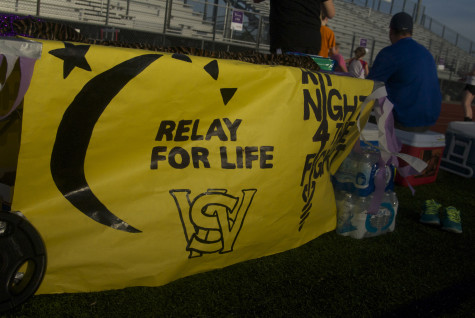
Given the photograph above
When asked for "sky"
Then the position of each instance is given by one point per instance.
(458, 15)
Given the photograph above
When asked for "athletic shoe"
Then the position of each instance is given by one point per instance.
(431, 213)
(452, 221)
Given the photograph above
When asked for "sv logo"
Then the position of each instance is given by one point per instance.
(212, 220)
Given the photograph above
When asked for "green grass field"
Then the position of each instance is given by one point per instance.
(416, 271)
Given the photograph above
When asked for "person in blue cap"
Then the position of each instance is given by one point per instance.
(409, 72)
(410, 76)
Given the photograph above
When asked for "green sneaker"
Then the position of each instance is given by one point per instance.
(431, 213)
(452, 221)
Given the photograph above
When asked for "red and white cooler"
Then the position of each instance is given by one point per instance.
(428, 146)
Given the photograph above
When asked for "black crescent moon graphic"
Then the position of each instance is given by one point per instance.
(75, 131)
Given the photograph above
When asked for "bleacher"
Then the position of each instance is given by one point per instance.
(351, 23)
(142, 15)
(26, 7)
(261, 7)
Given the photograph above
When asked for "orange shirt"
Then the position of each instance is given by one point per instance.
(328, 40)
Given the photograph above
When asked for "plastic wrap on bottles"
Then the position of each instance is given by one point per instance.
(354, 185)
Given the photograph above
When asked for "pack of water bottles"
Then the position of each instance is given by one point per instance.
(354, 186)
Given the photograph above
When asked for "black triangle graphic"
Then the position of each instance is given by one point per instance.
(227, 94)
(181, 57)
(213, 69)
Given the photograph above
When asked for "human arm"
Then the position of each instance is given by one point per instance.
(329, 8)
(383, 67)
(366, 70)
(331, 43)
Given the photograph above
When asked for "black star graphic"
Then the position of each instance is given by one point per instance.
(73, 56)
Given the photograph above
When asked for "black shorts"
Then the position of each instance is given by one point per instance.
(470, 88)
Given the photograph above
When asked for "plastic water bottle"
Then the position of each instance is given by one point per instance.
(345, 176)
(366, 169)
(339, 195)
(381, 222)
(361, 214)
(388, 176)
(3, 227)
(345, 213)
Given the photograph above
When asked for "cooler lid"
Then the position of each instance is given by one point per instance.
(421, 140)
(465, 128)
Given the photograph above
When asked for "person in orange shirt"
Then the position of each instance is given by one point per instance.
(328, 37)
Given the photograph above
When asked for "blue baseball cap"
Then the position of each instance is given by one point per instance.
(401, 22)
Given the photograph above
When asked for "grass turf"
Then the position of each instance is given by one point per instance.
(416, 271)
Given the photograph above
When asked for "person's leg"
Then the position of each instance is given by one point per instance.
(467, 100)
(419, 129)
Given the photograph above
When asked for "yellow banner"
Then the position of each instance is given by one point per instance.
(139, 167)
